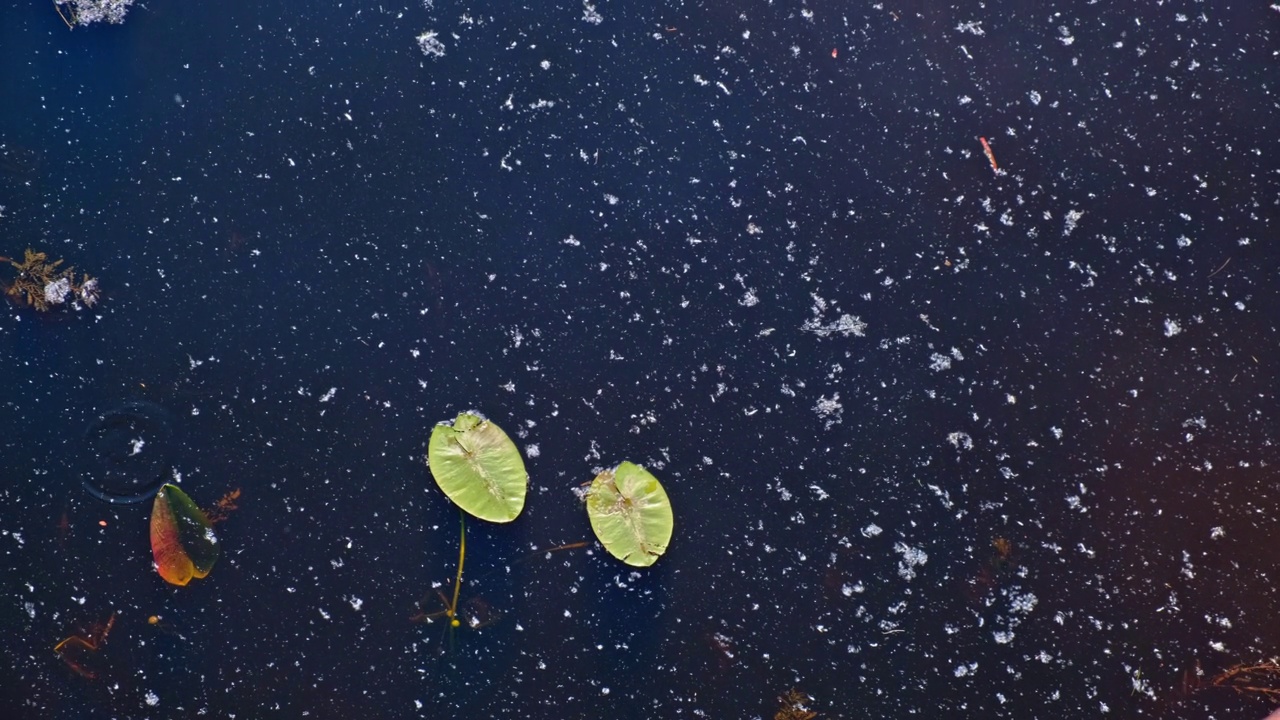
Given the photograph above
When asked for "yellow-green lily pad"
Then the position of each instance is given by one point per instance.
(630, 514)
(478, 467)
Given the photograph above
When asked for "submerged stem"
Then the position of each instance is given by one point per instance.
(457, 583)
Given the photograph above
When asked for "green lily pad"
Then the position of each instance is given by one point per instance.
(182, 540)
(478, 467)
(630, 514)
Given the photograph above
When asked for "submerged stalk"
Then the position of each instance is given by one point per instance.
(457, 583)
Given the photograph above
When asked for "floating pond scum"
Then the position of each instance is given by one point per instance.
(182, 539)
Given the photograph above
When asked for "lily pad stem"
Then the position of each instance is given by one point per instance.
(457, 583)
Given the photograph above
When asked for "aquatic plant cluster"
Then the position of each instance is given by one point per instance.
(430, 45)
(43, 286)
(84, 12)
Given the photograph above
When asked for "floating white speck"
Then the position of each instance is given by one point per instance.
(829, 409)
(430, 44)
(912, 558)
(1022, 603)
(1070, 220)
(56, 292)
(845, 325)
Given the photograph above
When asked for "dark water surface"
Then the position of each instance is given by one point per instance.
(939, 441)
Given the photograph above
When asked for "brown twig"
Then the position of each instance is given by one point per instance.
(1220, 267)
(64, 17)
(1261, 679)
(91, 642)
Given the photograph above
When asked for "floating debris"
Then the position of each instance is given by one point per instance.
(42, 285)
(84, 12)
(795, 706)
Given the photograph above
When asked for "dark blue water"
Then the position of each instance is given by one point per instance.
(1036, 482)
